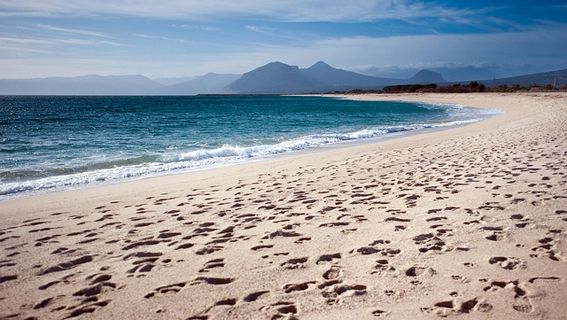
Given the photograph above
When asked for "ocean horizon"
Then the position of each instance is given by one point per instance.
(54, 143)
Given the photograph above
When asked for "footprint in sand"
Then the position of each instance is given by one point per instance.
(67, 265)
(254, 296)
(295, 263)
(171, 288)
(333, 273)
(337, 292)
(328, 258)
(382, 265)
(212, 264)
(508, 263)
(417, 271)
(290, 287)
(450, 307)
(281, 310)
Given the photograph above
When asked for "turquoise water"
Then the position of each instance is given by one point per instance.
(54, 143)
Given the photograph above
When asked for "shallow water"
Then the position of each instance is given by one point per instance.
(54, 143)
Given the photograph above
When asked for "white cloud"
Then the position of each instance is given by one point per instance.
(15, 49)
(149, 36)
(195, 27)
(27, 13)
(24, 41)
(84, 42)
(74, 31)
(291, 10)
(51, 42)
(164, 38)
(258, 29)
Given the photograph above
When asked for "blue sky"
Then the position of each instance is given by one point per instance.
(41, 38)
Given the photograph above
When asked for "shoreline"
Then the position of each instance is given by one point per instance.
(327, 146)
(467, 222)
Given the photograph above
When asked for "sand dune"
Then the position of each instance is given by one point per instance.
(465, 223)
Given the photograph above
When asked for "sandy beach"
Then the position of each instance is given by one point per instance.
(466, 223)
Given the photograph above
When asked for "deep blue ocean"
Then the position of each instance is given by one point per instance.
(55, 143)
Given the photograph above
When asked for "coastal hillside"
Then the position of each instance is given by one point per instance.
(323, 72)
(451, 73)
(169, 81)
(209, 83)
(426, 77)
(83, 85)
(557, 78)
(272, 78)
(276, 77)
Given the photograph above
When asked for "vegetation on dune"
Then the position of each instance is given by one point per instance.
(472, 86)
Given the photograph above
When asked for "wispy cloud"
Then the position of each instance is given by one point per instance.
(292, 10)
(47, 42)
(91, 42)
(26, 13)
(157, 37)
(24, 40)
(258, 29)
(74, 31)
(19, 50)
(195, 27)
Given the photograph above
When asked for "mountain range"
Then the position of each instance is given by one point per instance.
(208, 84)
(272, 78)
(83, 85)
(278, 77)
(555, 78)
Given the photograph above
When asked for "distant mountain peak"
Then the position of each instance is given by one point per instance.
(427, 72)
(426, 76)
(278, 64)
(276, 77)
(321, 64)
(341, 79)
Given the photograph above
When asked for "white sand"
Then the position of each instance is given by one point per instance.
(467, 223)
